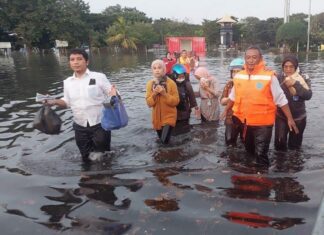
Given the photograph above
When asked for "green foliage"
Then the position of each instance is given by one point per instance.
(211, 32)
(144, 33)
(291, 33)
(40, 22)
(131, 15)
(119, 35)
(317, 29)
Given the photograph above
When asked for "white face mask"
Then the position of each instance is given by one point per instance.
(180, 80)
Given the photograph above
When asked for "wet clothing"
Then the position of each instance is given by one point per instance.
(187, 102)
(233, 126)
(282, 132)
(164, 133)
(85, 96)
(209, 105)
(255, 97)
(91, 139)
(298, 110)
(257, 140)
(164, 111)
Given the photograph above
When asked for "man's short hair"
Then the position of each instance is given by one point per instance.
(254, 48)
(79, 51)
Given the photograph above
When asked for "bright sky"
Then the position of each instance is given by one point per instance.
(195, 11)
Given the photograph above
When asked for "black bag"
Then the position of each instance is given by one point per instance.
(47, 121)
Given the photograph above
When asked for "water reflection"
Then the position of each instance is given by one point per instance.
(144, 187)
(101, 188)
(291, 161)
(256, 220)
(257, 187)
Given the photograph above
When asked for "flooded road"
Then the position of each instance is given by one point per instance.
(194, 186)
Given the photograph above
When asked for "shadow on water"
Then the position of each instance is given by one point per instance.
(195, 185)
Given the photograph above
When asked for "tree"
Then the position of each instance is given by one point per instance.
(248, 26)
(145, 34)
(292, 33)
(39, 23)
(118, 35)
(131, 15)
(211, 32)
(317, 29)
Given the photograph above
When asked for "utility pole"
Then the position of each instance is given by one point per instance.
(308, 28)
(286, 11)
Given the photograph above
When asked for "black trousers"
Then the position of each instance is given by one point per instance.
(182, 126)
(257, 140)
(282, 132)
(165, 133)
(91, 139)
(232, 130)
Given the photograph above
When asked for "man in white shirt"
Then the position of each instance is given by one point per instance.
(84, 92)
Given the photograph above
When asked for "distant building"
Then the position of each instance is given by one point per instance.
(226, 31)
(196, 44)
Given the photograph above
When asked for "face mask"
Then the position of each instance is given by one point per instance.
(180, 80)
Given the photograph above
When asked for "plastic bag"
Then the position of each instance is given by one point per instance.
(114, 114)
(47, 121)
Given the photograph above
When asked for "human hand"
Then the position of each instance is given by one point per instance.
(289, 82)
(49, 102)
(162, 90)
(113, 91)
(292, 126)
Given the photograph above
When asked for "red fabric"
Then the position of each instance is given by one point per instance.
(169, 64)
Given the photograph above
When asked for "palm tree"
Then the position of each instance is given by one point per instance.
(118, 34)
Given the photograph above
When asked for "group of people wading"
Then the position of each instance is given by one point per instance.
(255, 100)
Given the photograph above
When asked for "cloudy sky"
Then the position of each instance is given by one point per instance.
(194, 11)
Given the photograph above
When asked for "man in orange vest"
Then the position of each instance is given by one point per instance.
(254, 99)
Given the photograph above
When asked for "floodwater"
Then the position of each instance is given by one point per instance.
(194, 186)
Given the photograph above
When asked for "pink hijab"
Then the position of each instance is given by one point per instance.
(202, 72)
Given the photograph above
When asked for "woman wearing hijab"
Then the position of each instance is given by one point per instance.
(209, 92)
(297, 89)
(162, 96)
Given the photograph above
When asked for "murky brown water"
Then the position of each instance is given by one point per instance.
(194, 186)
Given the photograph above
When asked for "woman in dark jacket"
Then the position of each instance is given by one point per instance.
(297, 89)
(187, 99)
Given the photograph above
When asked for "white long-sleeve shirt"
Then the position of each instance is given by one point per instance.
(279, 97)
(84, 99)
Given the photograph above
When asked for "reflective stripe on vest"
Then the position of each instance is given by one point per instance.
(254, 103)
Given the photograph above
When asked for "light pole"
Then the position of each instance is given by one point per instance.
(308, 28)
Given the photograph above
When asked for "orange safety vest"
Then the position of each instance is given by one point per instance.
(254, 103)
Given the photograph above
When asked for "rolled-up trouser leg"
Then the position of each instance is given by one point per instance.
(166, 134)
(295, 140)
(281, 132)
(262, 138)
